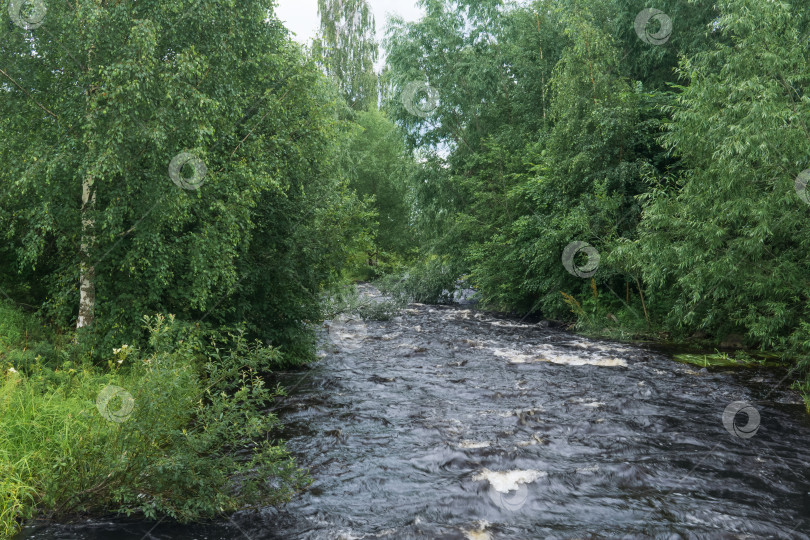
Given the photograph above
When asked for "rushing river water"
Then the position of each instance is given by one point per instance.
(451, 423)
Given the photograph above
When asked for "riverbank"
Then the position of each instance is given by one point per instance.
(177, 428)
(448, 399)
(707, 354)
(632, 323)
(606, 316)
(446, 422)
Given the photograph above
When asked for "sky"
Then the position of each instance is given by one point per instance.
(301, 16)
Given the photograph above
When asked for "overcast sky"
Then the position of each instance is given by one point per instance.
(301, 16)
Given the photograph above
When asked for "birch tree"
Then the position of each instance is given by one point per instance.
(346, 47)
(147, 145)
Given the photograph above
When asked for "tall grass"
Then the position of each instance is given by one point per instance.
(198, 404)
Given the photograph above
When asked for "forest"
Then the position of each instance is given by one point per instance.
(188, 193)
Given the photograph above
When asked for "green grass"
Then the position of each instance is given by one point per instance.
(196, 403)
(803, 387)
(40, 429)
(722, 359)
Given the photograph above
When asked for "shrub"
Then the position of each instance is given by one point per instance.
(431, 281)
(185, 434)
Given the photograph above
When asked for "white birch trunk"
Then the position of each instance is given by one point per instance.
(87, 285)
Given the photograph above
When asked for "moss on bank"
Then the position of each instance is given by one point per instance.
(740, 359)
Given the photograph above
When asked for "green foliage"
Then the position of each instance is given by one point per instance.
(548, 141)
(608, 314)
(677, 162)
(346, 47)
(725, 241)
(722, 359)
(380, 170)
(431, 280)
(198, 441)
(349, 301)
(14, 326)
(105, 95)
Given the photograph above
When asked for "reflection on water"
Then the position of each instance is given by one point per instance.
(451, 423)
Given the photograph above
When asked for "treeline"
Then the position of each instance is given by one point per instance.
(101, 100)
(659, 147)
(181, 185)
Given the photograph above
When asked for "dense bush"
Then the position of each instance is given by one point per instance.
(188, 436)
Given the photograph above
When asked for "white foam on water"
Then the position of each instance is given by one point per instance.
(474, 444)
(506, 481)
(600, 346)
(517, 357)
(514, 357)
(570, 360)
(532, 442)
(478, 534)
(507, 324)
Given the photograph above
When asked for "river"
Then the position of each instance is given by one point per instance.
(451, 423)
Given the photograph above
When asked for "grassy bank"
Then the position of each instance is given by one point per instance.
(632, 320)
(158, 431)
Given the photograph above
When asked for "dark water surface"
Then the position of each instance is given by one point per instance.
(451, 423)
